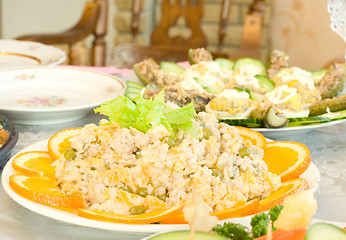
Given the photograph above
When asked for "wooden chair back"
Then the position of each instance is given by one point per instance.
(171, 11)
(93, 21)
(164, 48)
(192, 12)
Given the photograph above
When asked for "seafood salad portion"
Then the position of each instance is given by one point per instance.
(155, 153)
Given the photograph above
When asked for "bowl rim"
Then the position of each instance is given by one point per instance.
(12, 138)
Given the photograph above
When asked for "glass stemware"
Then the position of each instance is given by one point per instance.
(337, 10)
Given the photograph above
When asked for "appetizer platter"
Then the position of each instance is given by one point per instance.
(268, 98)
(136, 170)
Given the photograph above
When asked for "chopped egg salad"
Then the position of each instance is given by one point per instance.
(293, 92)
(231, 103)
(123, 170)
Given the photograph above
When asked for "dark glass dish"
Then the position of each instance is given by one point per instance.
(6, 149)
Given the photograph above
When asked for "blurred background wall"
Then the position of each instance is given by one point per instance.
(302, 29)
(298, 27)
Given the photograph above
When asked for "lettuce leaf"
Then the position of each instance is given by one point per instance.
(144, 114)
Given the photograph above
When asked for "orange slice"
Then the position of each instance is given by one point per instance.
(240, 210)
(144, 218)
(34, 163)
(277, 197)
(255, 137)
(43, 190)
(287, 159)
(60, 141)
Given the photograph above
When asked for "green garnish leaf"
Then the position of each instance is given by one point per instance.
(274, 213)
(259, 224)
(233, 231)
(144, 114)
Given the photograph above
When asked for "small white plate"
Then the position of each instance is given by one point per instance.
(14, 53)
(49, 95)
(275, 133)
(312, 176)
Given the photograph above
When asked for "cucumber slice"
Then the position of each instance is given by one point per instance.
(303, 121)
(265, 82)
(185, 234)
(131, 95)
(131, 84)
(254, 96)
(247, 122)
(171, 67)
(209, 88)
(239, 89)
(321, 230)
(225, 63)
(249, 61)
(318, 74)
(133, 89)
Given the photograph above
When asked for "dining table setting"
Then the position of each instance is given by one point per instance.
(42, 98)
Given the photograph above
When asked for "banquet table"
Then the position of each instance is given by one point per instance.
(328, 152)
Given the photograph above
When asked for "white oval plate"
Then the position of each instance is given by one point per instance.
(292, 131)
(14, 53)
(311, 174)
(49, 95)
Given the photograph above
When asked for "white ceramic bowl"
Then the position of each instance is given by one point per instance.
(50, 95)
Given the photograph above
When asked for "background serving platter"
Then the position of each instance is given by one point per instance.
(49, 95)
(275, 133)
(311, 175)
(14, 53)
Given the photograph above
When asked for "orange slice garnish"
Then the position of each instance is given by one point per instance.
(144, 218)
(239, 210)
(43, 190)
(287, 159)
(277, 197)
(60, 141)
(255, 137)
(34, 163)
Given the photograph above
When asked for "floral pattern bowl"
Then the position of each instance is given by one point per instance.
(50, 95)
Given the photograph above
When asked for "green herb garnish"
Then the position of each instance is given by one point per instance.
(144, 114)
(259, 224)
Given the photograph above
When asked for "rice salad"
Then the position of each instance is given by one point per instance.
(117, 168)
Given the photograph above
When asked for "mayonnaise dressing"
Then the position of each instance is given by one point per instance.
(232, 93)
(296, 73)
(281, 94)
(246, 75)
